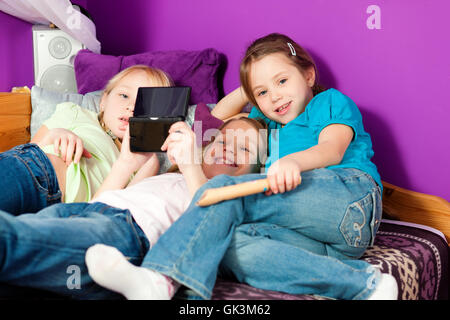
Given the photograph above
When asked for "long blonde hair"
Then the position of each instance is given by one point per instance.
(160, 77)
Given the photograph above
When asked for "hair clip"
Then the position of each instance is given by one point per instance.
(291, 47)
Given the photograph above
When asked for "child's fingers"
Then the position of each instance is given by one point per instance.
(70, 150)
(63, 148)
(175, 136)
(78, 151)
(272, 178)
(292, 179)
(166, 143)
(171, 155)
(164, 146)
(56, 145)
(178, 126)
(281, 182)
(180, 154)
(86, 154)
(297, 179)
(170, 138)
(289, 182)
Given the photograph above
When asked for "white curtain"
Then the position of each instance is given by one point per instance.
(60, 13)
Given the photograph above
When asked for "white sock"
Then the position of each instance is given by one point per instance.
(386, 288)
(110, 269)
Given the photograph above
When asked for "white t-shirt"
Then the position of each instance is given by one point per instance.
(155, 202)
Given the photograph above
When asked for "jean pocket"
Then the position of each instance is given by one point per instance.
(35, 173)
(356, 225)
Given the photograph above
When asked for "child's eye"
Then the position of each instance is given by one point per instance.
(123, 95)
(282, 81)
(261, 93)
(244, 148)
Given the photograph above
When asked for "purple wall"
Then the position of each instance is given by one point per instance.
(398, 75)
(16, 53)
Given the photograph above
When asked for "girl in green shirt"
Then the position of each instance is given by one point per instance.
(76, 149)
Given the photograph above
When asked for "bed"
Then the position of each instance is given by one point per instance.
(411, 244)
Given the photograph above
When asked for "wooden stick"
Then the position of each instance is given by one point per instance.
(215, 195)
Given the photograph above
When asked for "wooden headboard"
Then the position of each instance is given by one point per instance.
(406, 205)
(15, 116)
(398, 203)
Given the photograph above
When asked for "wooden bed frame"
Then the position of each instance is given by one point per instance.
(398, 203)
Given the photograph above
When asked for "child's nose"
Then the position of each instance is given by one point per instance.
(229, 148)
(275, 96)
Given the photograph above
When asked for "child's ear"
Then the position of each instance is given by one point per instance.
(311, 76)
(103, 101)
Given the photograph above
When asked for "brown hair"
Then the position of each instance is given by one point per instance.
(276, 43)
(160, 77)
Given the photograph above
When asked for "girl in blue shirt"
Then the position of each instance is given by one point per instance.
(306, 233)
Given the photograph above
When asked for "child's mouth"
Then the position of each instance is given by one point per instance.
(226, 162)
(283, 109)
(123, 123)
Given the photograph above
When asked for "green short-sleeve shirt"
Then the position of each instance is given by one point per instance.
(84, 179)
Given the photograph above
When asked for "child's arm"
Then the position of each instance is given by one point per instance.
(149, 169)
(194, 177)
(182, 150)
(40, 135)
(283, 175)
(129, 162)
(65, 142)
(117, 179)
(333, 142)
(230, 105)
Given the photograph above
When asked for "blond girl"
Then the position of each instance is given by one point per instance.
(71, 155)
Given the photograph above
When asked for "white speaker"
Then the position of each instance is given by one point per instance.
(54, 53)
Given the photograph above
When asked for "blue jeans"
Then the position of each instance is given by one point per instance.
(306, 241)
(47, 250)
(28, 180)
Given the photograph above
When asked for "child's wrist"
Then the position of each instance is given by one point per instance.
(295, 159)
(189, 168)
(125, 165)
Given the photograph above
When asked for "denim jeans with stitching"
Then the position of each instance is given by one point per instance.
(46, 250)
(28, 182)
(306, 241)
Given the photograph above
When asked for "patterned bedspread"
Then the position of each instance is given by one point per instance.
(416, 257)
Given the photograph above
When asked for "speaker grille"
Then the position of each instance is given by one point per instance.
(59, 78)
(59, 47)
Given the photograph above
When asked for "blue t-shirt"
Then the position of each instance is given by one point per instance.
(328, 107)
